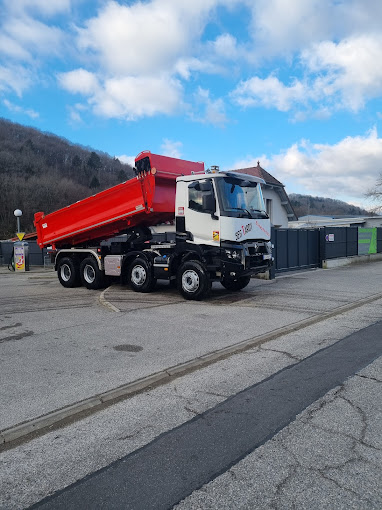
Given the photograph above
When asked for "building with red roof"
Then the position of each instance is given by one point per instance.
(277, 202)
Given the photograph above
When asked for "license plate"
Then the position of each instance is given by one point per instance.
(267, 257)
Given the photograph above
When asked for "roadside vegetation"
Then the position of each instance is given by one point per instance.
(43, 172)
(320, 206)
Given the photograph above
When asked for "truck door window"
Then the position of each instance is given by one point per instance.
(196, 191)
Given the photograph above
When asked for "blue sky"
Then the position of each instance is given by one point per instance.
(295, 84)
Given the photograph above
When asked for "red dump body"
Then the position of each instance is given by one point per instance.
(145, 200)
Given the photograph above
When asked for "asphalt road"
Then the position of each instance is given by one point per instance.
(233, 434)
(174, 465)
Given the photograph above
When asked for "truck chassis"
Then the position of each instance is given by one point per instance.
(140, 260)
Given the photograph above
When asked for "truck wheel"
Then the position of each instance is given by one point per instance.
(68, 273)
(91, 275)
(193, 280)
(141, 276)
(235, 284)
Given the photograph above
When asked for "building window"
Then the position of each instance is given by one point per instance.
(268, 206)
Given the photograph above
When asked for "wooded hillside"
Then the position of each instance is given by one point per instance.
(43, 172)
(319, 206)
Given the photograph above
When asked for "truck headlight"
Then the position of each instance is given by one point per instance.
(233, 254)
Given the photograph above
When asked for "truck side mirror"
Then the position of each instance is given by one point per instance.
(208, 202)
(205, 186)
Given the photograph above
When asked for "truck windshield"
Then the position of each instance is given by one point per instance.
(240, 198)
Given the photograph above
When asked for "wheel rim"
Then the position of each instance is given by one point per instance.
(66, 272)
(138, 275)
(190, 281)
(89, 273)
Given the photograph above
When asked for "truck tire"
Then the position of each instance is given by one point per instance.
(193, 280)
(235, 284)
(68, 273)
(141, 275)
(91, 275)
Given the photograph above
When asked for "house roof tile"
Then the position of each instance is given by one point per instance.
(257, 171)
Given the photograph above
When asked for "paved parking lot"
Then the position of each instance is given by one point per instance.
(59, 346)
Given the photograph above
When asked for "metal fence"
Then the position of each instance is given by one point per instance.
(296, 249)
(337, 242)
(307, 248)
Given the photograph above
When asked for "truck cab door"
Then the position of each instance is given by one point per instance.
(202, 218)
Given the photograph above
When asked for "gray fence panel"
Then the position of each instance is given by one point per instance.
(281, 252)
(351, 241)
(303, 252)
(337, 242)
(36, 254)
(379, 240)
(292, 249)
(6, 251)
(313, 248)
(296, 249)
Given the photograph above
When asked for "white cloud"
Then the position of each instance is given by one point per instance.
(135, 97)
(12, 49)
(282, 27)
(25, 42)
(184, 67)
(26, 38)
(129, 160)
(45, 7)
(171, 148)
(75, 116)
(340, 75)
(140, 62)
(345, 170)
(146, 37)
(14, 78)
(211, 111)
(79, 81)
(348, 69)
(19, 109)
(270, 92)
(128, 97)
(225, 45)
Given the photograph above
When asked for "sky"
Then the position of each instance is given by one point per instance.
(294, 84)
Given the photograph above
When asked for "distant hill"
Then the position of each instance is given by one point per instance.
(43, 172)
(306, 204)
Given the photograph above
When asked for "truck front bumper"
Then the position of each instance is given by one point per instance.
(245, 259)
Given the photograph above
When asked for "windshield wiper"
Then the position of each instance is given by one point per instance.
(263, 213)
(243, 209)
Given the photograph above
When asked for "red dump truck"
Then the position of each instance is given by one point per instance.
(173, 221)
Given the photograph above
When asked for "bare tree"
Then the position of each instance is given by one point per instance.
(375, 194)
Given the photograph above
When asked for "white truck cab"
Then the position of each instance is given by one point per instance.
(220, 218)
(222, 207)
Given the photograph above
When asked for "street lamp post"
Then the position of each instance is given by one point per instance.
(18, 213)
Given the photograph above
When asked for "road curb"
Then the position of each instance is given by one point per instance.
(104, 302)
(57, 418)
